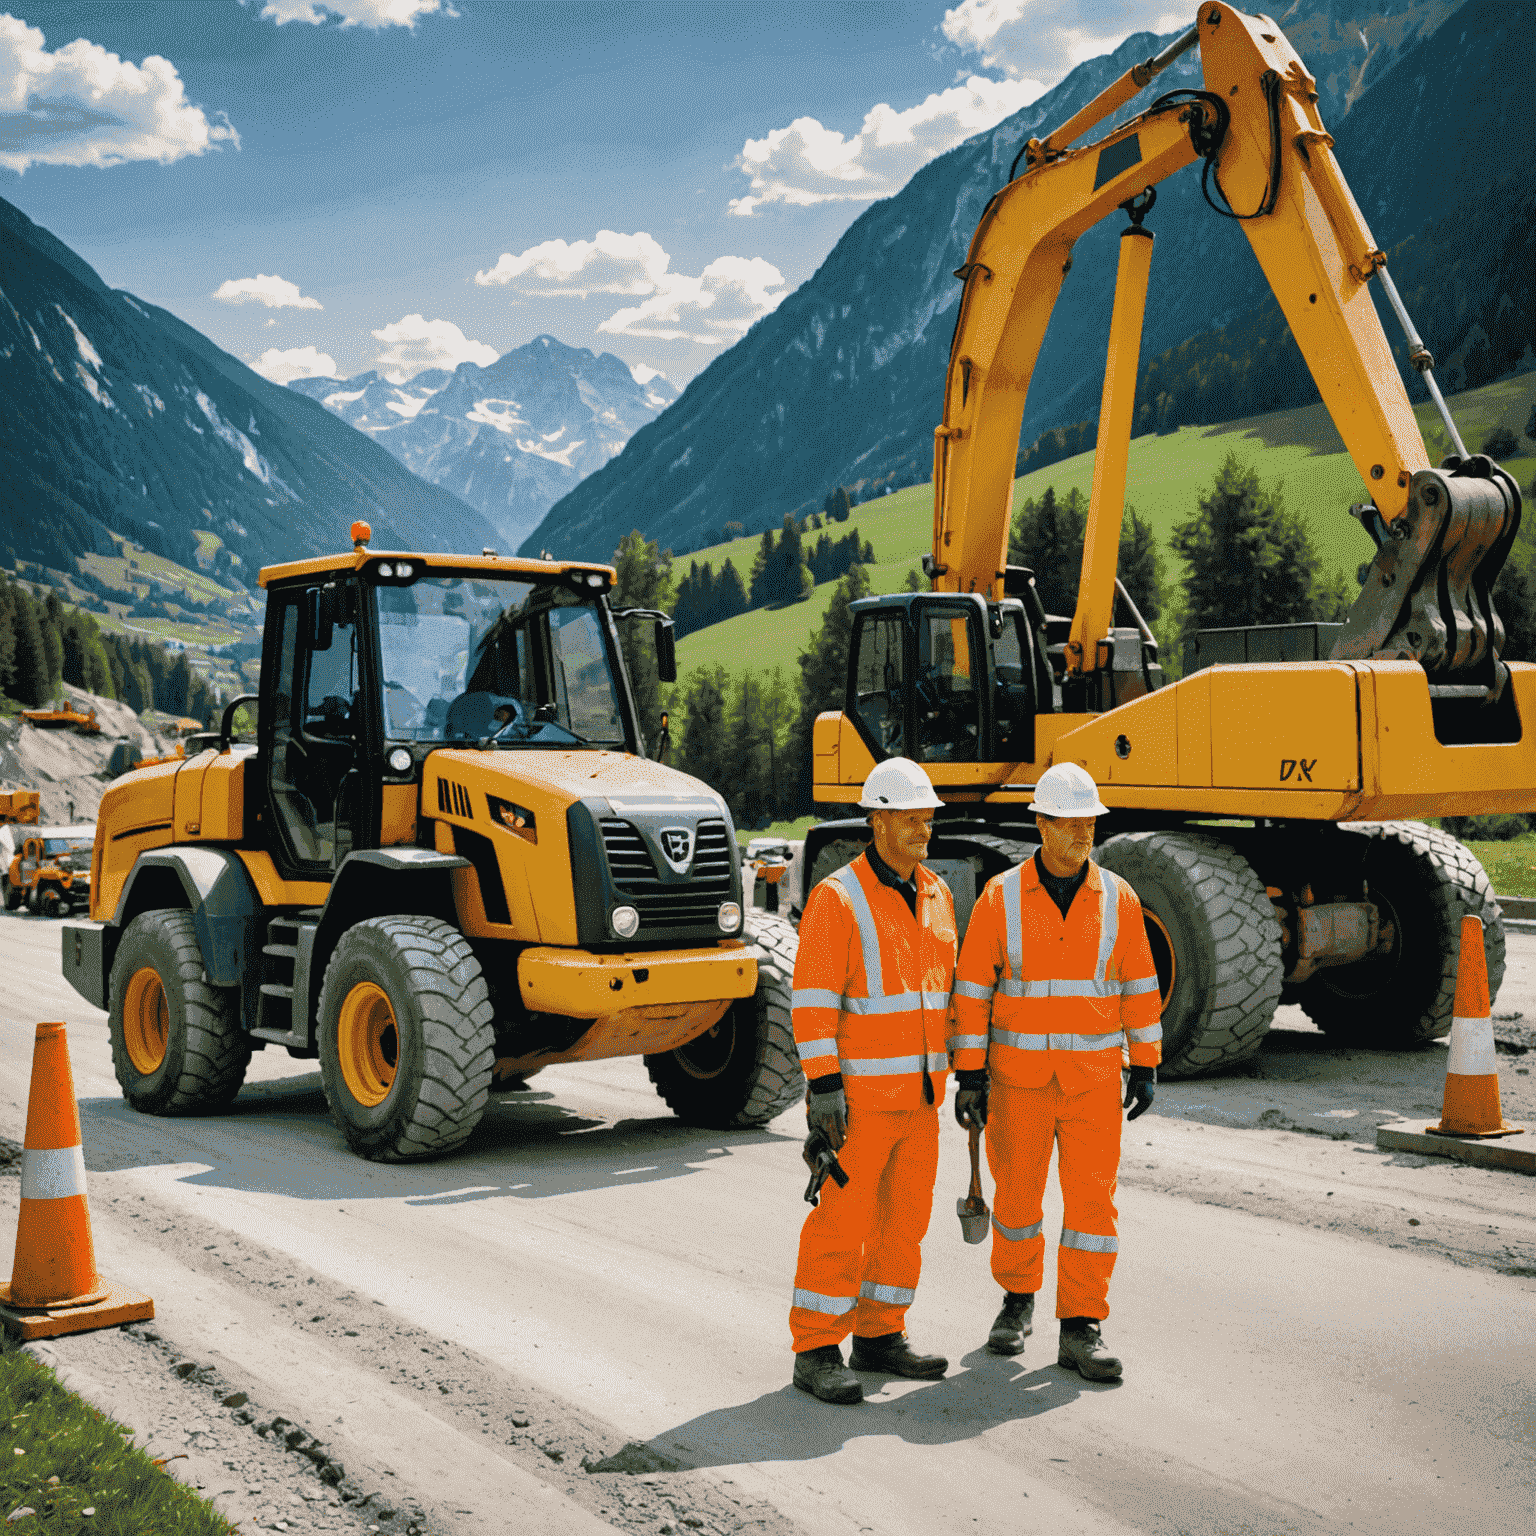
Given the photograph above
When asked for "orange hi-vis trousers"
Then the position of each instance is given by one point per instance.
(1022, 1123)
(860, 1252)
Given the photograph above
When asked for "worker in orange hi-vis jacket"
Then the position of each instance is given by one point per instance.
(871, 1007)
(1055, 975)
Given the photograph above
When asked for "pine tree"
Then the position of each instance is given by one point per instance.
(31, 684)
(704, 751)
(644, 581)
(730, 593)
(824, 676)
(1249, 560)
(1141, 565)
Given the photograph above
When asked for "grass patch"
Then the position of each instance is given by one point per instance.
(1166, 478)
(793, 830)
(1511, 866)
(97, 1468)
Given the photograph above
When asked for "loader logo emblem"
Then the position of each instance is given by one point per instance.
(1298, 768)
(677, 845)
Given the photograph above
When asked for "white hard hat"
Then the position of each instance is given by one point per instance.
(898, 784)
(1068, 790)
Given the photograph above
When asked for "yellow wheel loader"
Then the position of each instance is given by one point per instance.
(444, 859)
(1260, 804)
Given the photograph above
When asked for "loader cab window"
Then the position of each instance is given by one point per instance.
(516, 663)
(947, 691)
(316, 725)
(879, 681)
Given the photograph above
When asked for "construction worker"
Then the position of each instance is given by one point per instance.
(871, 1001)
(1055, 974)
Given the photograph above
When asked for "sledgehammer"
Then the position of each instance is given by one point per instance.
(971, 1208)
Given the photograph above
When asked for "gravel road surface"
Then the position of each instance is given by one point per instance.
(579, 1320)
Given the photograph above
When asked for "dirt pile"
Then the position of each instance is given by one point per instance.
(68, 768)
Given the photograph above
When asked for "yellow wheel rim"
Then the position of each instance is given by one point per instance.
(367, 1043)
(146, 1020)
(1161, 943)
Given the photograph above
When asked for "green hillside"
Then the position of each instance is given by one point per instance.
(1166, 479)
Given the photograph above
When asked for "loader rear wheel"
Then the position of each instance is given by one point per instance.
(12, 894)
(1215, 942)
(406, 1038)
(746, 1070)
(1424, 882)
(177, 1045)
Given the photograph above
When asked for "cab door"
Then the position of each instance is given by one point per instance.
(319, 728)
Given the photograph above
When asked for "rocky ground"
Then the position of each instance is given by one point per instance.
(70, 769)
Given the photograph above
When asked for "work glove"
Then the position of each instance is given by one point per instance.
(1140, 1088)
(828, 1113)
(971, 1100)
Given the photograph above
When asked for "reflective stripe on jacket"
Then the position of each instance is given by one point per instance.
(1037, 996)
(872, 986)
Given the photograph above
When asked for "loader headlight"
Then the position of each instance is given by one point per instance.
(399, 761)
(625, 922)
(729, 917)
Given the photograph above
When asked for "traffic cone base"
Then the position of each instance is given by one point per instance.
(111, 1307)
(54, 1287)
(1471, 1105)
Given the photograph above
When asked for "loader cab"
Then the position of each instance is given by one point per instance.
(369, 666)
(947, 678)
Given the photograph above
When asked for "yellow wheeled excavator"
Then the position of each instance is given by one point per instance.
(445, 860)
(1259, 804)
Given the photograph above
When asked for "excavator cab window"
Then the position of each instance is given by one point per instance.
(879, 702)
(946, 690)
(1013, 686)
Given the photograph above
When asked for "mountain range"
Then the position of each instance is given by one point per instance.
(510, 439)
(122, 422)
(842, 384)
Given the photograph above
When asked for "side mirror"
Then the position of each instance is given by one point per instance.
(227, 724)
(666, 655)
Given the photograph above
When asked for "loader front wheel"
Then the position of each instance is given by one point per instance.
(1423, 882)
(406, 1039)
(177, 1045)
(1215, 943)
(745, 1070)
(11, 894)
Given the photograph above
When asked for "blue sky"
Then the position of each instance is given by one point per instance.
(325, 186)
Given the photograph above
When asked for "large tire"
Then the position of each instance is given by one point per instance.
(1423, 882)
(1215, 940)
(406, 1038)
(11, 893)
(177, 1045)
(841, 851)
(51, 903)
(746, 1070)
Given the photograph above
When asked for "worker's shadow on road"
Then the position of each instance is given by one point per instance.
(788, 1425)
(278, 1138)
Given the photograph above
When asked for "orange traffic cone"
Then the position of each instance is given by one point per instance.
(1471, 1103)
(54, 1287)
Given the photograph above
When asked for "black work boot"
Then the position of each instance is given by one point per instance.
(891, 1353)
(821, 1372)
(1013, 1324)
(1082, 1348)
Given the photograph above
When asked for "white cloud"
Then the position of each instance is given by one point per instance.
(1044, 39)
(807, 163)
(414, 343)
(354, 13)
(608, 263)
(643, 373)
(275, 292)
(716, 307)
(81, 105)
(295, 363)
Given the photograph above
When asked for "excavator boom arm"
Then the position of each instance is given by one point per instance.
(1273, 160)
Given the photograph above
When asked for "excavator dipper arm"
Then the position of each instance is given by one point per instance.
(1272, 161)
